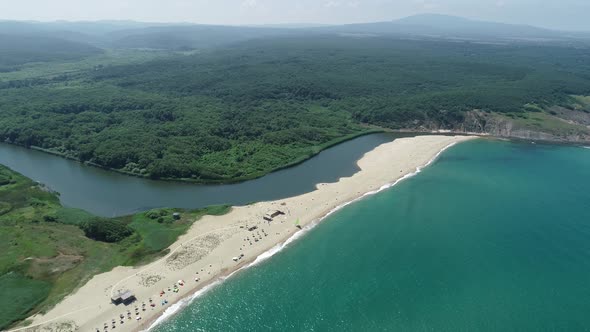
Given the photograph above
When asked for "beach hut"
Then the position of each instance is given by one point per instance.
(272, 214)
(128, 297)
(176, 216)
(116, 299)
(277, 213)
(125, 297)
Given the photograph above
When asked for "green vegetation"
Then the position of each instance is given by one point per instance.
(18, 50)
(159, 230)
(19, 295)
(239, 112)
(105, 230)
(32, 72)
(546, 123)
(46, 255)
(582, 103)
(223, 104)
(202, 109)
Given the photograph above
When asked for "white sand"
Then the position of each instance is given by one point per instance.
(212, 242)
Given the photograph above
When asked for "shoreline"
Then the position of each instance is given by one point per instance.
(208, 243)
(200, 291)
(191, 181)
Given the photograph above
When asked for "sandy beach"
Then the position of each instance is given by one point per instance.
(216, 246)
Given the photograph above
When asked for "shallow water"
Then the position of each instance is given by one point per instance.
(494, 236)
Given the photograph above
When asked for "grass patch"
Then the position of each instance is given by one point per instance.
(5, 208)
(108, 58)
(159, 229)
(585, 100)
(547, 123)
(582, 103)
(533, 108)
(19, 295)
(46, 255)
(72, 216)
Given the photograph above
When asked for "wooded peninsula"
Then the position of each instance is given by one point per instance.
(237, 112)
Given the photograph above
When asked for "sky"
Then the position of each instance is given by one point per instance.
(564, 14)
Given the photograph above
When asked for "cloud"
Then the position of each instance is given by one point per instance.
(250, 3)
(426, 5)
(331, 4)
(336, 4)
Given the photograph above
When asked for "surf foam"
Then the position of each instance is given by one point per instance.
(175, 308)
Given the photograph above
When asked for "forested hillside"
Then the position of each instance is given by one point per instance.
(452, 27)
(389, 82)
(136, 35)
(187, 37)
(241, 111)
(17, 50)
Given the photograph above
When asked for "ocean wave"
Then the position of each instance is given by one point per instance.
(175, 308)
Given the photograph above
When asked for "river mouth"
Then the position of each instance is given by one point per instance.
(110, 194)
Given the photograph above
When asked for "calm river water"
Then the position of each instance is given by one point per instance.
(111, 194)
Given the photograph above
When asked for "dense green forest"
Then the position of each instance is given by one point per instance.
(241, 111)
(187, 37)
(18, 50)
(49, 250)
(222, 104)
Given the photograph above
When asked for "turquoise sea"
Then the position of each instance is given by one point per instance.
(494, 236)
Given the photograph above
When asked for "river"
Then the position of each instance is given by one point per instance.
(110, 194)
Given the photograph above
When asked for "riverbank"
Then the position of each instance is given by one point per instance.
(314, 151)
(110, 194)
(49, 250)
(208, 249)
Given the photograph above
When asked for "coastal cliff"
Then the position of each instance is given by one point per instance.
(556, 124)
(537, 126)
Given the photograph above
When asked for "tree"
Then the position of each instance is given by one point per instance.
(106, 230)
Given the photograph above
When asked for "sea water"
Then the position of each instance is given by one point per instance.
(493, 236)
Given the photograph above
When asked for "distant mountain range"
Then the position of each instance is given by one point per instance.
(182, 36)
(444, 26)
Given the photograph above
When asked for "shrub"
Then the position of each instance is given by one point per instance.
(106, 230)
(155, 214)
(50, 218)
(36, 202)
(5, 208)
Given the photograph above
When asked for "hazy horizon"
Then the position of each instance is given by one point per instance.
(565, 15)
